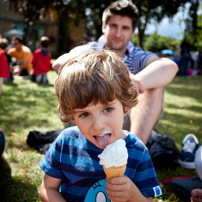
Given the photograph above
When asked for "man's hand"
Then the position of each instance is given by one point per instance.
(137, 84)
(22, 63)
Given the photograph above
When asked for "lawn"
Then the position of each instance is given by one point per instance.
(27, 106)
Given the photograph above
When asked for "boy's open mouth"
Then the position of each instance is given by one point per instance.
(103, 139)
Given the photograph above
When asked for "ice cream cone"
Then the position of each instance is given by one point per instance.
(114, 171)
(114, 159)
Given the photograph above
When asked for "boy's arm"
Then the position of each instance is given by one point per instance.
(196, 195)
(49, 190)
(123, 189)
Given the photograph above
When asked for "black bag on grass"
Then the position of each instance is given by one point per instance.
(162, 150)
(184, 186)
(42, 141)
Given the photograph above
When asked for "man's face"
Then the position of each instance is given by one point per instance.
(16, 44)
(118, 32)
(101, 124)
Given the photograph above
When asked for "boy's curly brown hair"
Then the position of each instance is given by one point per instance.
(92, 77)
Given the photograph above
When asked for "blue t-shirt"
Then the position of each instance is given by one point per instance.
(74, 159)
(134, 58)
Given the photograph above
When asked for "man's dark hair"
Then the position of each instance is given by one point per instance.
(123, 8)
(19, 38)
(44, 41)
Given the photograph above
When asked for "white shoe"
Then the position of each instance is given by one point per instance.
(190, 144)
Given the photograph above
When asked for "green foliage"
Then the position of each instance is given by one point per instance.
(135, 39)
(193, 31)
(155, 43)
(155, 10)
(27, 106)
(76, 9)
(199, 36)
(91, 11)
(198, 43)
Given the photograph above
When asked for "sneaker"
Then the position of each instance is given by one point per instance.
(189, 146)
(198, 162)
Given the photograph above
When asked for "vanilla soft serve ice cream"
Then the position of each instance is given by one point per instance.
(114, 154)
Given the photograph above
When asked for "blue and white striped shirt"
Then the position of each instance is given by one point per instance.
(74, 159)
(134, 59)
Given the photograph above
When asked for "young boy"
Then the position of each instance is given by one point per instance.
(94, 90)
(41, 61)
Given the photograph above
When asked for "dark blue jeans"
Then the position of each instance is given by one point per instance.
(183, 66)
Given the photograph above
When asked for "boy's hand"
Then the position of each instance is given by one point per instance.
(119, 188)
(196, 195)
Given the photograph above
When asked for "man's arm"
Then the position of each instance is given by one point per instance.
(59, 61)
(49, 191)
(150, 82)
(158, 72)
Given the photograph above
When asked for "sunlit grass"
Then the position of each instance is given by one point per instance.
(182, 115)
(183, 108)
(27, 106)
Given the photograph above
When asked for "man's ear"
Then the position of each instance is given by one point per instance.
(133, 34)
(103, 28)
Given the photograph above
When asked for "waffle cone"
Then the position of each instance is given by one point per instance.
(115, 171)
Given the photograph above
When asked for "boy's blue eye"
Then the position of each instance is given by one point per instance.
(84, 115)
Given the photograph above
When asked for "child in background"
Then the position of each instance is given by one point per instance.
(4, 68)
(94, 90)
(4, 46)
(41, 61)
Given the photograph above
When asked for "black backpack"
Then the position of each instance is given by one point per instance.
(42, 141)
(162, 150)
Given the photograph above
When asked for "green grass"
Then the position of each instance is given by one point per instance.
(27, 106)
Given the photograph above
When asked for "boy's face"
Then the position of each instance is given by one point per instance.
(118, 32)
(101, 124)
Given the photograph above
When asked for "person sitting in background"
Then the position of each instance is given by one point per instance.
(149, 73)
(23, 56)
(41, 61)
(4, 46)
(4, 68)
